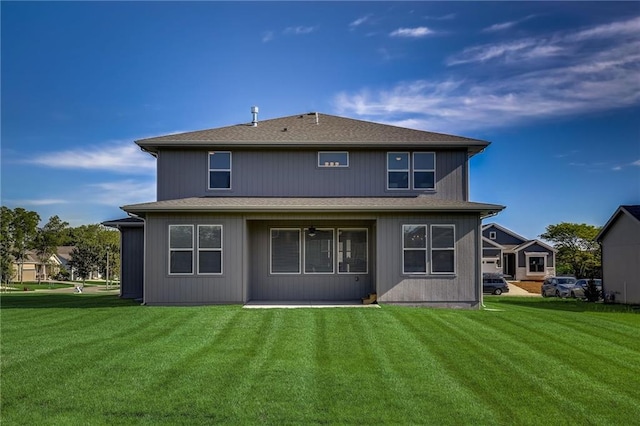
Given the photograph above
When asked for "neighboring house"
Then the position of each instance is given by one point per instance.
(309, 207)
(32, 268)
(620, 241)
(518, 258)
(64, 255)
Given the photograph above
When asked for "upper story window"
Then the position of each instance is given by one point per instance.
(333, 159)
(397, 170)
(220, 170)
(492, 235)
(405, 171)
(424, 170)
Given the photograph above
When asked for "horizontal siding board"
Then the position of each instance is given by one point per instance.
(294, 173)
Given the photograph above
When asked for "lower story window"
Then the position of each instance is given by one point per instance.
(443, 252)
(184, 254)
(352, 251)
(180, 249)
(414, 249)
(285, 251)
(535, 264)
(318, 251)
(209, 249)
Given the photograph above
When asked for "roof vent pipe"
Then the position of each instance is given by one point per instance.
(317, 121)
(254, 113)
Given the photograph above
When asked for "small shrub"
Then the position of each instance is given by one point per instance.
(591, 292)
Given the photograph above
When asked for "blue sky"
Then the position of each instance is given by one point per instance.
(554, 86)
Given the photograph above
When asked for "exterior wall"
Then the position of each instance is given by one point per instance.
(160, 288)
(621, 260)
(294, 173)
(266, 286)
(502, 237)
(461, 289)
(521, 271)
(131, 262)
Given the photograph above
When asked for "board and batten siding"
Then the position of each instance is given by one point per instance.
(131, 269)
(295, 173)
(192, 289)
(461, 289)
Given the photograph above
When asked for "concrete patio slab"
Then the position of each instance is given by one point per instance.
(260, 304)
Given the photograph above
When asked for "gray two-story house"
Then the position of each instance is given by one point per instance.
(310, 207)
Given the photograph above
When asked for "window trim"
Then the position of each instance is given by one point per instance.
(366, 233)
(529, 255)
(170, 250)
(414, 170)
(199, 249)
(333, 252)
(425, 249)
(300, 246)
(330, 166)
(209, 170)
(453, 248)
(408, 170)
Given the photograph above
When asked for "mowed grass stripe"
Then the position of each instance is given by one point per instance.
(395, 365)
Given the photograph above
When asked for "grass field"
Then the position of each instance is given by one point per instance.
(85, 359)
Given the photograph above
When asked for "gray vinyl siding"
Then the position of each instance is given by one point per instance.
(289, 173)
(132, 262)
(164, 289)
(457, 290)
(621, 260)
(502, 237)
(534, 248)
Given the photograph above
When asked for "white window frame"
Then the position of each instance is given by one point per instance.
(529, 255)
(181, 249)
(493, 235)
(305, 231)
(300, 248)
(366, 230)
(209, 170)
(414, 170)
(199, 249)
(425, 249)
(453, 248)
(331, 165)
(408, 170)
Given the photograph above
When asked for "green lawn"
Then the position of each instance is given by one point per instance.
(85, 359)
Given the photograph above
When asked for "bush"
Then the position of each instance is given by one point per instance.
(591, 292)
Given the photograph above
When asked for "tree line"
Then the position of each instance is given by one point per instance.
(95, 247)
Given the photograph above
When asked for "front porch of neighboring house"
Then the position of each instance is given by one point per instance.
(532, 261)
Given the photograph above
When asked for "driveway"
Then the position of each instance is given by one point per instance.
(514, 290)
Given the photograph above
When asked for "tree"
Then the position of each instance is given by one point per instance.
(22, 231)
(578, 252)
(100, 241)
(47, 239)
(85, 257)
(6, 245)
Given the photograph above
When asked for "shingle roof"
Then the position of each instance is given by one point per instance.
(284, 205)
(302, 130)
(127, 222)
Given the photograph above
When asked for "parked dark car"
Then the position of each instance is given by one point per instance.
(558, 286)
(581, 285)
(494, 284)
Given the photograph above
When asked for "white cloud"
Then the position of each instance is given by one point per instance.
(411, 32)
(569, 79)
(119, 157)
(38, 202)
(119, 193)
(636, 163)
(359, 21)
(267, 36)
(506, 25)
(442, 18)
(299, 30)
